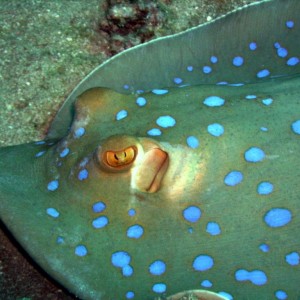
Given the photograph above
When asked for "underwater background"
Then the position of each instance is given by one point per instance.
(47, 47)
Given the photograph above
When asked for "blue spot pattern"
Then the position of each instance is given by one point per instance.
(265, 188)
(135, 231)
(233, 178)
(165, 121)
(215, 129)
(160, 92)
(254, 154)
(281, 295)
(278, 217)
(100, 222)
(98, 207)
(296, 127)
(81, 250)
(257, 277)
(53, 185)
(83, 174)
(122, 114)
(154, 132)
(293, 258)
(214, 101)
(192, 142)
(157, 268)
(238, 61)
(264, 247)
(79, 132)
(203, 263)
(192, 213)
(213, 228)
(159, 288)
(52, 212)
(206, 283)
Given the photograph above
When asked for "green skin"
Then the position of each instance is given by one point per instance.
(194, 177)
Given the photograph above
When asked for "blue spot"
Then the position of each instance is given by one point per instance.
(296, 127)
(52, 212)
(53, 185)
(160, 92)
(64, 153)
(264, 129)
(206, 283)
(40, 143)
(41, 153)
(278, 217)
(293, 61)
(141, 101)
(83, 174)
(135, 231)
(100, 222)
(157, 268)
(238, 61)
(233, 178)
(131, 212)
(226, 295)
(206, 69)
(257, 277)
(267, 101)
(190, 68)
(98, 207)
(120, 259)
(236, 84)
(214, 101)
(122, 114)
(177, 80)
(215, 129)
(213, 228)
(222, 83)
(281, 295)
(277, 45)
(254, 154)
(139, 91)
(159, 288)
(190, 230)
(192, 214)
(129, 295)
(265, 188)
(81, 250)
(125, 86)
(263, 73)
(289, 24)
(127, 270)
(282, 52)
(213, 59)
(264, 247)
(252, 46)
(154, 132)
(292, 258)
(203, 263)
(192, 142)
(60, 240)
(165, 121)
(79, 132)
(250, 97)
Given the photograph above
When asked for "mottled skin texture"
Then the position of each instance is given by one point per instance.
(239, 210)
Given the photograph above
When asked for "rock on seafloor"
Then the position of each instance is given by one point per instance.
(47, 47)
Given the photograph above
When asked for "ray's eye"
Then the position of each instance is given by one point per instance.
(122, 158)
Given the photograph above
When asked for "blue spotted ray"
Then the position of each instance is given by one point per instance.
(172, 167)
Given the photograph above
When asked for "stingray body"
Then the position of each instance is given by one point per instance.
(191, 183)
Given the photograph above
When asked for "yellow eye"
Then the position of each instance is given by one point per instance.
(122, 158)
